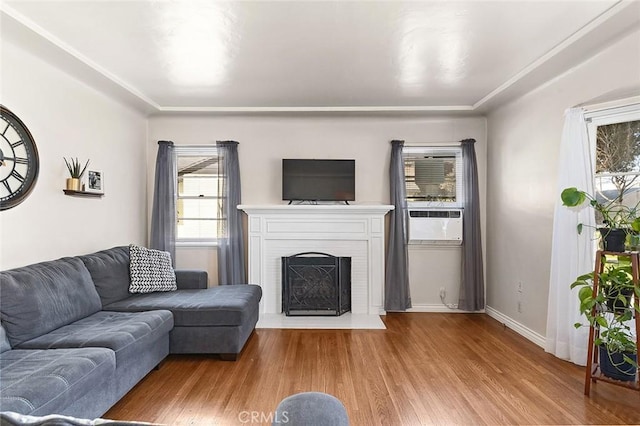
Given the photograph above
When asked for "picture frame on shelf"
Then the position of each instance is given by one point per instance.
(93, 181)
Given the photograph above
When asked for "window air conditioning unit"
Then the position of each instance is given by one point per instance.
(435, 226)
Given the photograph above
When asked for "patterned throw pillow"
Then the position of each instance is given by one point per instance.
(150, 270)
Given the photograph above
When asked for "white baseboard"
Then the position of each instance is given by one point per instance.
(267, 321)
(438, 307)
(522, 330)
(525, 332)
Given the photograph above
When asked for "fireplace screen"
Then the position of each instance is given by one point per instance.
(316, 284)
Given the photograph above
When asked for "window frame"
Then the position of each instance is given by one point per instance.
(604, 117)
(451, 149)
(194, 151)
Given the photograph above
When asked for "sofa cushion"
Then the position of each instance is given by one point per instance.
(217, 306)
(114, 330)
(109, 270)
(4, 342)
(42, 297)
(150, 270)
(47, 381)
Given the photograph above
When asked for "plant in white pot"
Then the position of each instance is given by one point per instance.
(75, 171)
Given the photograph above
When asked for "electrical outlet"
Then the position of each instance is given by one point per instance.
(519, 286)
(443, 293)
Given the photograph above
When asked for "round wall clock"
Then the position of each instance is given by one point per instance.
(19, 161)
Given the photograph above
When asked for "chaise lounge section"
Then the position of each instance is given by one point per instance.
(216, 320)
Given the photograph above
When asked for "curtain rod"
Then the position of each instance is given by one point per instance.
(205, 145)
(610, 105)
(436, 144)
(620, 110)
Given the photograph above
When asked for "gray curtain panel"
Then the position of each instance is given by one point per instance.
(163, 214)
(231, 268)
(396, 292)
(472, 287)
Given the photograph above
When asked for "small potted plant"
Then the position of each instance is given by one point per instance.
(611, 312)
(75, 171)
(619, 220)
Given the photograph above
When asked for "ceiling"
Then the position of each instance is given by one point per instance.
(190, 55)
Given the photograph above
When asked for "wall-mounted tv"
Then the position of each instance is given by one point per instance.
(318, 180)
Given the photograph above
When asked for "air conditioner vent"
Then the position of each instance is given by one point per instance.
(435, 213)
(435, 226)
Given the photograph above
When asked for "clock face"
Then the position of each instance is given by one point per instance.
(18, 160)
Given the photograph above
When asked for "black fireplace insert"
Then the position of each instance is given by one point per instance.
(316, 284)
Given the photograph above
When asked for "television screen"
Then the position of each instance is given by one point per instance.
(318, 180)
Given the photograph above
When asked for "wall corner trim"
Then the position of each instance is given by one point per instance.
(522, 330)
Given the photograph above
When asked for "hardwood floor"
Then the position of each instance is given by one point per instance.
(424, 369)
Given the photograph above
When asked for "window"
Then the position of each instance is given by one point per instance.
(615, 139)
(433, 176)
(197, 195)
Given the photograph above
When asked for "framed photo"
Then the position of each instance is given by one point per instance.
(94, 181)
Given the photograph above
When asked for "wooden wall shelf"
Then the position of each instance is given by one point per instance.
(82, 193)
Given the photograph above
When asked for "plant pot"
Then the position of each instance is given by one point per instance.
(614, 366)
(73, 184)
(613, 239)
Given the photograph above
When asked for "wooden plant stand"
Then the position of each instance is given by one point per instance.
(593, 373)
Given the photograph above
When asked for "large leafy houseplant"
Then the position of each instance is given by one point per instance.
(610, 309)
(617, 218)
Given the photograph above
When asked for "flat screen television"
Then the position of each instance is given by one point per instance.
(318, 180)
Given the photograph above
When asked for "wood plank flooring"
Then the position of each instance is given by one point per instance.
(424, 369)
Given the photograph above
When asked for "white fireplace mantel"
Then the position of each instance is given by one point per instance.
(355, 231)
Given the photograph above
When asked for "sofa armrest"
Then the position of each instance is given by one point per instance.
(191, 279)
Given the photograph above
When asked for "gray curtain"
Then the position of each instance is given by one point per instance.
(163, 213)
(231, 269)
(472, 287)
(396, 291)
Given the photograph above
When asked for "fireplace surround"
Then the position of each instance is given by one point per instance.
(356, 231)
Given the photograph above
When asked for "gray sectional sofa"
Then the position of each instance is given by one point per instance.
(73, 340)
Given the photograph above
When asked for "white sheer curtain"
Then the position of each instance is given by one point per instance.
(571, 254)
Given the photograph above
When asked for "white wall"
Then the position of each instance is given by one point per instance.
(266, 140)
(68, 118)
(524, 138)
